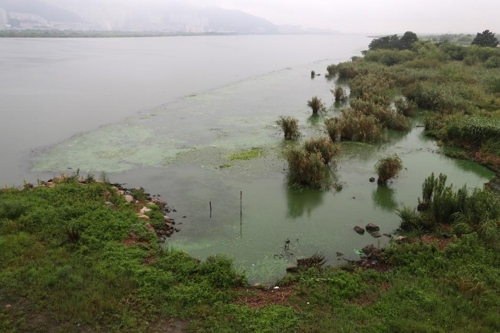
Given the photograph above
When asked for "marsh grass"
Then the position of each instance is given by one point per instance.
(356, 126)
(245, 155)
(387, 168)
(324, 146)
(308, 169)
(316, 105)
(76, 269)
(405, 107)
(289, 126)
(340, 94)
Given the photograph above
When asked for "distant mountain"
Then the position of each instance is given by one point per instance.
(113, 16)
(33, 12)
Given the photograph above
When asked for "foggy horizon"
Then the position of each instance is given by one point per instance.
(358, 16)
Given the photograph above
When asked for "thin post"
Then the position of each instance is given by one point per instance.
(241, 214)
(210, 209)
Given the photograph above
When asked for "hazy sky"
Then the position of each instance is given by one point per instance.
(364, 16)
(378, 16)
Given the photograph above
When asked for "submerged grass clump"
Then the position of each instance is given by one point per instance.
(289, 126)
(308, 166)
(246, 154)
(356, 126)
(387, 168)
(316, 105)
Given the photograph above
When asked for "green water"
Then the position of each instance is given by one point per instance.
(177, 150)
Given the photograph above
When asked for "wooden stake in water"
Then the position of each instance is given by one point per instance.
(210, 209)
(241, 214)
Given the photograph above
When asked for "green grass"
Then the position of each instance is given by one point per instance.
(246, 154)
(56, 282)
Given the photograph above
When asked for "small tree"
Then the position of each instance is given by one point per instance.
(387, 43)
(406, 42)
(485, 38)
(316, 105)
(388, 168)
(290, 127)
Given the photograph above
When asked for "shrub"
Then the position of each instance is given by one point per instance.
(387, 168)
(316, 105)
(466, 211)
(356, 126)
(389, 57)
(307, 169)
(340, 94)
(405, 107)
(493, 62)
(433, 96)
(323, 146)
(290, 127)
(411, 219)
(386, 116)
(332, 70)
(473, 129)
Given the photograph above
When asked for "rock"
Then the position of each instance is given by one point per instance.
(370, 227)
(143, 217)
(161, 240)
(401, 239)
(292, 269)
(145, 210)
(372, 179)
(150, 227)
(50, 184)
(167, 219)
(169, 225)
(257, 285)
(446, 235)
(359, 230)
(388, 235)
(121, 192)
(339, 254)
(139, 188)
(375, 234)
(369, 249)
(184, 217)
(109, 204)
(129, 198)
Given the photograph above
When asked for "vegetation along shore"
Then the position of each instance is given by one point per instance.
(86, 255)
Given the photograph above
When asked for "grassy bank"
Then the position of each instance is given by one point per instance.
(73, 263)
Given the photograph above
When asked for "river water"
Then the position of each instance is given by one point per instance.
(165, 113)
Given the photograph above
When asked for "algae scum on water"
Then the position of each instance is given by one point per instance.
(212, 146)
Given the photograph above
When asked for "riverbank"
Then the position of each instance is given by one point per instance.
(77, 256)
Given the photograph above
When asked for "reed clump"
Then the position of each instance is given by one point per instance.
(309, 165)
(289, 126)
(340, 94)
(355, 126)
(324, 146)
(387, 168)
(316, 105)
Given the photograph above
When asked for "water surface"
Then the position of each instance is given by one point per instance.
(201, 100)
